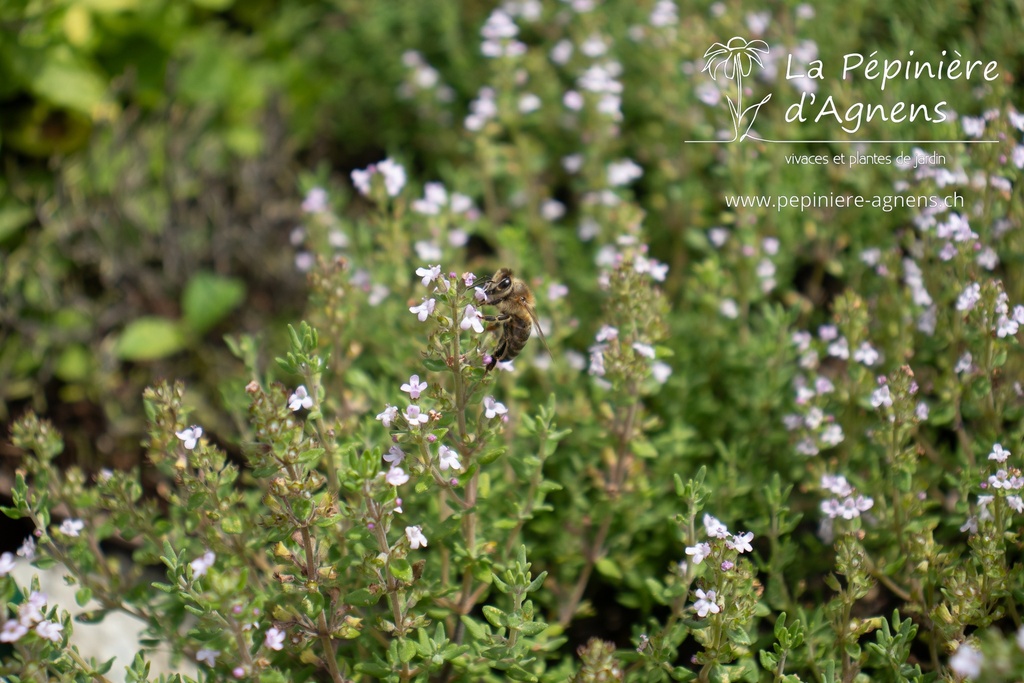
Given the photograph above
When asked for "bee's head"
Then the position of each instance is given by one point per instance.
(500, 284)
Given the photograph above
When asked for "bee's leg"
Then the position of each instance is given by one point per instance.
(500, 318)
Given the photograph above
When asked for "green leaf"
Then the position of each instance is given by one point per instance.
(83, 595)
(435, 364)
(214, 5)
(490, 455)
(607, 567)
(231, 524)
(532, 628)
(406, 650)
(150, 338)
(495, 616)
(361, 597)
(13, 217)
(57, 75)
(74, 364)
(475, 628)
(310, 456)
(313, 604)
(208, 298)
(92, 617)
(401, 570)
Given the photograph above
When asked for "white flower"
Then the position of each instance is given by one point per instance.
(999, 454)
(645, 350)
(741, 542)
(832, 436)
(392, 173)
(71, 527)
(706, 603)
(435, 196)
(623, 172)
(207, 657)
(274, 638)
(529, 103)
(969, 298)
(572, 100)
(1006, 327)
(606, 333)
(836, 484)
(964, 364)
(594, 46)
(12, 631)
(7, 563)
(714, 528)
(974, 126)
(361, 180)
(552, 210)
(556, 290)
(561, 53)
(699, 552)
(572, 163)
(300, 399)
(840, 348)
(396, 476)
(414, 387)
(395, 455)
(31, 611)
(429, 274)
(661, 372)
(492, 408)
(881, 397)
(499, 25)
(315, 201)
(424, 309)
(966, 662)
(190, 436)
(471, 318)
(415, 416)
(866, 354)
(664, 14)
(659, 270)
(416, 538)
(388, 415)
(427, 250)
(28, 549)
(394, 176)
(448, 458)
(202, 564)
(50, 630)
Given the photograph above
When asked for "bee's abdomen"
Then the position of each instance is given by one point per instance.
(514, 334)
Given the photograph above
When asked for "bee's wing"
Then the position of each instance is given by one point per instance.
(540, 332)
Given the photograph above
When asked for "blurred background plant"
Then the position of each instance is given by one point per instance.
(177, 174)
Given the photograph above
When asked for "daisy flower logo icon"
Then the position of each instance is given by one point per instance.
(734, 61)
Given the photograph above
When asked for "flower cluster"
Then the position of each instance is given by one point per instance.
(846, 502)
(813, 428)
(722, 550)
(390, 173)
(1005, 484)
(630, 276)
(32, 617)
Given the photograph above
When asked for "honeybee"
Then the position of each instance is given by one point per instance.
(516, 317)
